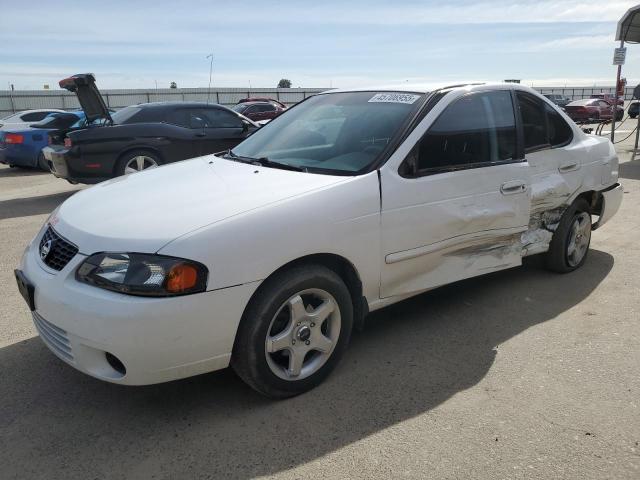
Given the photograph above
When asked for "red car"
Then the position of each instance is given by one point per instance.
(608, 97)
(262, 99)
(258, 111)
(591, 109)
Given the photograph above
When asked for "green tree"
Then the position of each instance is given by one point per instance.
(173, 85)
(284, 83)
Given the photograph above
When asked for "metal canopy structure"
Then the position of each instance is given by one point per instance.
(629, 26)
(628, 32)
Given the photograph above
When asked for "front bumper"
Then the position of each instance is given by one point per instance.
(611, 201)
(157, 339)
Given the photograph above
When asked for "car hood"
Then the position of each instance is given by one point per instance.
(144, 211)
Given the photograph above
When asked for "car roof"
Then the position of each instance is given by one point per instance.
(431, 87)
(257, 102)
(180, 104)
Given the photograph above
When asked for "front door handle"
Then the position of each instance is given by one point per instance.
(569, 167)
(201, 134)
(513, 187)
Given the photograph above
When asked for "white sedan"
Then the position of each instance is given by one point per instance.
(266, 257)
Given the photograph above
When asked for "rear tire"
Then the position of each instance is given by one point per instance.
(294, 331)
(42, 163)
(137, 161)
(570, 242)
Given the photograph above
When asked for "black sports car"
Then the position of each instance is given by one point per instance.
(140, 136)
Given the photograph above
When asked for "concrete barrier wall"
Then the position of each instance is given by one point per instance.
(13, 101)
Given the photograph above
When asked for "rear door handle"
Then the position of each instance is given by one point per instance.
(569, 167)
(513, 187)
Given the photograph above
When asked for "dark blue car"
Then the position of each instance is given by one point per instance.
(22, 146)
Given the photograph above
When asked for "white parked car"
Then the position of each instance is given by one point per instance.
(267, 257)
(26, 117)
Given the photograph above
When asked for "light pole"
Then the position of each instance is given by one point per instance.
(210, 72)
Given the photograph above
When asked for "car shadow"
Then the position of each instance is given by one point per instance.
(630, 170)
(8, 172)
(412, 357)
(25, 207)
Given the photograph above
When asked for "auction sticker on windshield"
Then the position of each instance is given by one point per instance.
(394, 98)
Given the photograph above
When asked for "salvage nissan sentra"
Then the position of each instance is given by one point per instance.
(266, 257)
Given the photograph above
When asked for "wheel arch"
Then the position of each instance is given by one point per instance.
(594, 199)
(344, 269)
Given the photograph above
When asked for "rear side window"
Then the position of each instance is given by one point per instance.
(560, 133)
(542, 125)
(534, 122)
(34, 116)
(476, 129)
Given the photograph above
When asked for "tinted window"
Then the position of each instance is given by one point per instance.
(560, 132)
(57, 120)
(476, 129)
(125, 115)
(240, 108)
(217, 118)
(534, 122)
(180, 117)
(34, 116)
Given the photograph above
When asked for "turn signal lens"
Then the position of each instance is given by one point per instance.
(181, 277)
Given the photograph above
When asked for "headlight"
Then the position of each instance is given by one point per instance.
(143, 274)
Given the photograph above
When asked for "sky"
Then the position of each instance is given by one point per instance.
(327, 43)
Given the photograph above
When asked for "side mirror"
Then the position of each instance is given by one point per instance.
(245, 126)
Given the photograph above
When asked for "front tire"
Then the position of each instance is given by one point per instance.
(294, 331)
(570, 242)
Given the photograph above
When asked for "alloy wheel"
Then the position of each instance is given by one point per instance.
(139, 163)
(303, 334)
(579, 237)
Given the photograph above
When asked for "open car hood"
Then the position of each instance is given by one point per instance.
(92, 103)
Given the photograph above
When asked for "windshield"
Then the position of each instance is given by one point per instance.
(124, 115)
(337, 132)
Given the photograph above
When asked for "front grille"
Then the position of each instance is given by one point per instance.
(54, 337)
(55, 251)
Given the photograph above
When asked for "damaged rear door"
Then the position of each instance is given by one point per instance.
(461, 199)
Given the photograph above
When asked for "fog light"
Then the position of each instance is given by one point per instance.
(115, 363)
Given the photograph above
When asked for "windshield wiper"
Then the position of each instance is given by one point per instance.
(263, 162)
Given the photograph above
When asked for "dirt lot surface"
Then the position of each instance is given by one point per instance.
(521, 374)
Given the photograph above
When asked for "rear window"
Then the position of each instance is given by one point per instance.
(34, 116)
(125, 115)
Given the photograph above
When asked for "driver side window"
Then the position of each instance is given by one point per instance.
(476, 130)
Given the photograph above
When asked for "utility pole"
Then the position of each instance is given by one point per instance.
(210, 73)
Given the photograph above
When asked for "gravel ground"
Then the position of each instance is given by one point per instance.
(520, 374)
